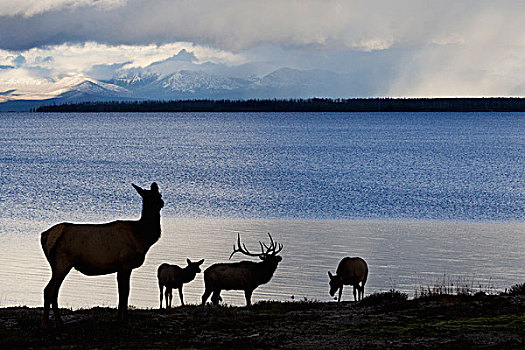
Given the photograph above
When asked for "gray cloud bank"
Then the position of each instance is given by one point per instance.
(241, 24)
(396, 48)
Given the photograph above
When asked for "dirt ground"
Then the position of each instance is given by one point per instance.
(437, 322)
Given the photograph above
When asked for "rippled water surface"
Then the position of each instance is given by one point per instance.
(401, 255)
(436, 166)
(419, 196)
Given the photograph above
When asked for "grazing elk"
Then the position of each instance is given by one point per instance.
(244, 275)
(99, 249)
(173, 276)
(350, 271)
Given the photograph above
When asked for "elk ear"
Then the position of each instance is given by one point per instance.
(330, 275)
(154, 187)
(188, 261)
(139, 190)
(200, 262)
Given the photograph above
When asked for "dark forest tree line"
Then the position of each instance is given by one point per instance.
(492, 104)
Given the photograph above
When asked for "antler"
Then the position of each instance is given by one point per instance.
(242, 248)
(273, 249)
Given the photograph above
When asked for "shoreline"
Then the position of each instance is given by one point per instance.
(386, 321)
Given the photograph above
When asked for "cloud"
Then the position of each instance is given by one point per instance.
(399, 48)
(43, 60)
(19, 60)
(48, 71)
(182, 56)
(83, 58)
(6, 93)
(29, 8)
(106, 71)
(36, 83)
(486, 58)
(240, 24)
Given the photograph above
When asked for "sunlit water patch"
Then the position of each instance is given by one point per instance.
(404, 255)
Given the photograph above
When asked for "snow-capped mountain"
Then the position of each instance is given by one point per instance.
(282, 83)
(193, 82)
(181, 84)
(94, 89)
(133, 79)
(144, 84)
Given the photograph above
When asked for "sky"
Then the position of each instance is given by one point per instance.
(404, 48)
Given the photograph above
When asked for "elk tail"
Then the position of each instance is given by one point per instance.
(49, 239)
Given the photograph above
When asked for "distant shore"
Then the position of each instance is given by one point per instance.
(382, 322)
(492, 104)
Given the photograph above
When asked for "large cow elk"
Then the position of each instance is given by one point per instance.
(173, 276)
(244, 275)
(351, 271)
(99, 249)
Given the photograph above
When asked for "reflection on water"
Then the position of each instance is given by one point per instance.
(401, 254)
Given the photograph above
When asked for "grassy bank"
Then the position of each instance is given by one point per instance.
(379, 321)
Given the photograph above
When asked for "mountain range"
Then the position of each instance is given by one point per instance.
(193, 84)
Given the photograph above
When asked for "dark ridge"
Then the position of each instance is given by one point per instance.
(490, 104)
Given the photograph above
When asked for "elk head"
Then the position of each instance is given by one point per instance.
(194, 266)
(267, 254)
(335, 283)
(152, 197)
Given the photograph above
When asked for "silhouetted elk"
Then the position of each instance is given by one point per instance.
(99, 249)
(350, 271)
(173, 276)
(244, 275)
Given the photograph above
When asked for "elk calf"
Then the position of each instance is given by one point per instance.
(350, 271)
(173, 276)
(244, 275)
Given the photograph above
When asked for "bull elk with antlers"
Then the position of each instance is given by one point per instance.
(244, 275)
(99, 249)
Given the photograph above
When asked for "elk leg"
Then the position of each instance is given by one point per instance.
(181, 297)
(47, 302)
(205, 296)
(168, 297)
(51, 296)
(161, 287)
(248, 296)
(355, 288)
(216, 297)
(363, 282)
(340, 294)
(123, 278)
(56, 312)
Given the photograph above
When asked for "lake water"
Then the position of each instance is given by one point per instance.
(419, 196)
